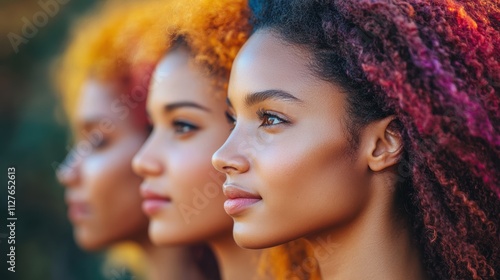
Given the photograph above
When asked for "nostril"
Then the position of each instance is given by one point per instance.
(229, 169)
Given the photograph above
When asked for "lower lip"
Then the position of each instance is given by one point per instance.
(153, 206)
(237, 205)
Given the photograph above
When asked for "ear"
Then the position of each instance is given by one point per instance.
(385, 143)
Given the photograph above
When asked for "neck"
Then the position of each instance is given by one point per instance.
(234, 261)
(375, 245)
(170, 263)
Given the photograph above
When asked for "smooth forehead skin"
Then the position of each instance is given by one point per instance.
(96, 100)
(280, 66)
(184, 81)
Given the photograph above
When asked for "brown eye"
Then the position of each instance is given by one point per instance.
(270, 119)
(182, 127)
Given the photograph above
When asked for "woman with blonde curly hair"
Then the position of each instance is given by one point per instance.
(104, 95)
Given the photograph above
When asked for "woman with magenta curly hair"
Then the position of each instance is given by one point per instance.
(376, 131)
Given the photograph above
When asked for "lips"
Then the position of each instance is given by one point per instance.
(153, 202)
(238, 200)
(77, 211)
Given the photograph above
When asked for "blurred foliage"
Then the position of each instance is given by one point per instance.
(34, 138)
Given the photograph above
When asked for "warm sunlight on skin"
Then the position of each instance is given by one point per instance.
(304, 177)
(303, 171)
(101, 189)
(182, 190)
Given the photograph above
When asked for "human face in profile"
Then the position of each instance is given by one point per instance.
(290, 167)
(181, 190)
(102, 192)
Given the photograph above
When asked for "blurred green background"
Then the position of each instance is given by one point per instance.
(34, 138)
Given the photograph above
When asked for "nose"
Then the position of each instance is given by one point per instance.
(68, 172)
(229, 159)
(146, 162)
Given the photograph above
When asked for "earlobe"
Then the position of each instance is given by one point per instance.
(387, 144)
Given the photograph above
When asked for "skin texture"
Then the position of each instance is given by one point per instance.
(434, 66)
(277, 168)
(294, 152)
(99, 173)
(102, 191)
(175, 164)
(175, 159)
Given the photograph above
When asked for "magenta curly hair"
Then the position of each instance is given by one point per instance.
(435, 66)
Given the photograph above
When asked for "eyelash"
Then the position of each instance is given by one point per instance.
(263, 116)
(266, 115)
(180, 126)
(231, 120)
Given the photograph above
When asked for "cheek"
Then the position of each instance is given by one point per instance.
(191, 168)
(113, 191)
(310, 180)
(194, 182)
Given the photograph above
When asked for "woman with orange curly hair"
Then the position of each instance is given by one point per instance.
(104, 96)
(186, 104)
(379, 137)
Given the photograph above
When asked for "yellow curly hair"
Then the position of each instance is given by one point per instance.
(102, 46)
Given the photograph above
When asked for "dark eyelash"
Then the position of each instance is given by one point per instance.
(177, 124)
(149, 128)
(230, 118)
(263, 113)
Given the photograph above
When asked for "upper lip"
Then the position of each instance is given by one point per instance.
(71, 199)
(232, 191)
(148, 193)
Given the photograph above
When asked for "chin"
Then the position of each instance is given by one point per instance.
(90, 241)
(250, 237)
(88, 244)
(162, 234)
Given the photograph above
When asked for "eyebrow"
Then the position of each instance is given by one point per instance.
(276, 94)
(174, 106)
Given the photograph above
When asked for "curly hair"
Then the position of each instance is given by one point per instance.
(435, 65)
(105, 45)
(212, 31)
(100, 48)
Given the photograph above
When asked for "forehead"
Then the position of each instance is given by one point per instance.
(178, 79)
(96, 99)
(267, 62)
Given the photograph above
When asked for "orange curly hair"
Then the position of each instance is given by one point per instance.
(213, 32)
(123, 42)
